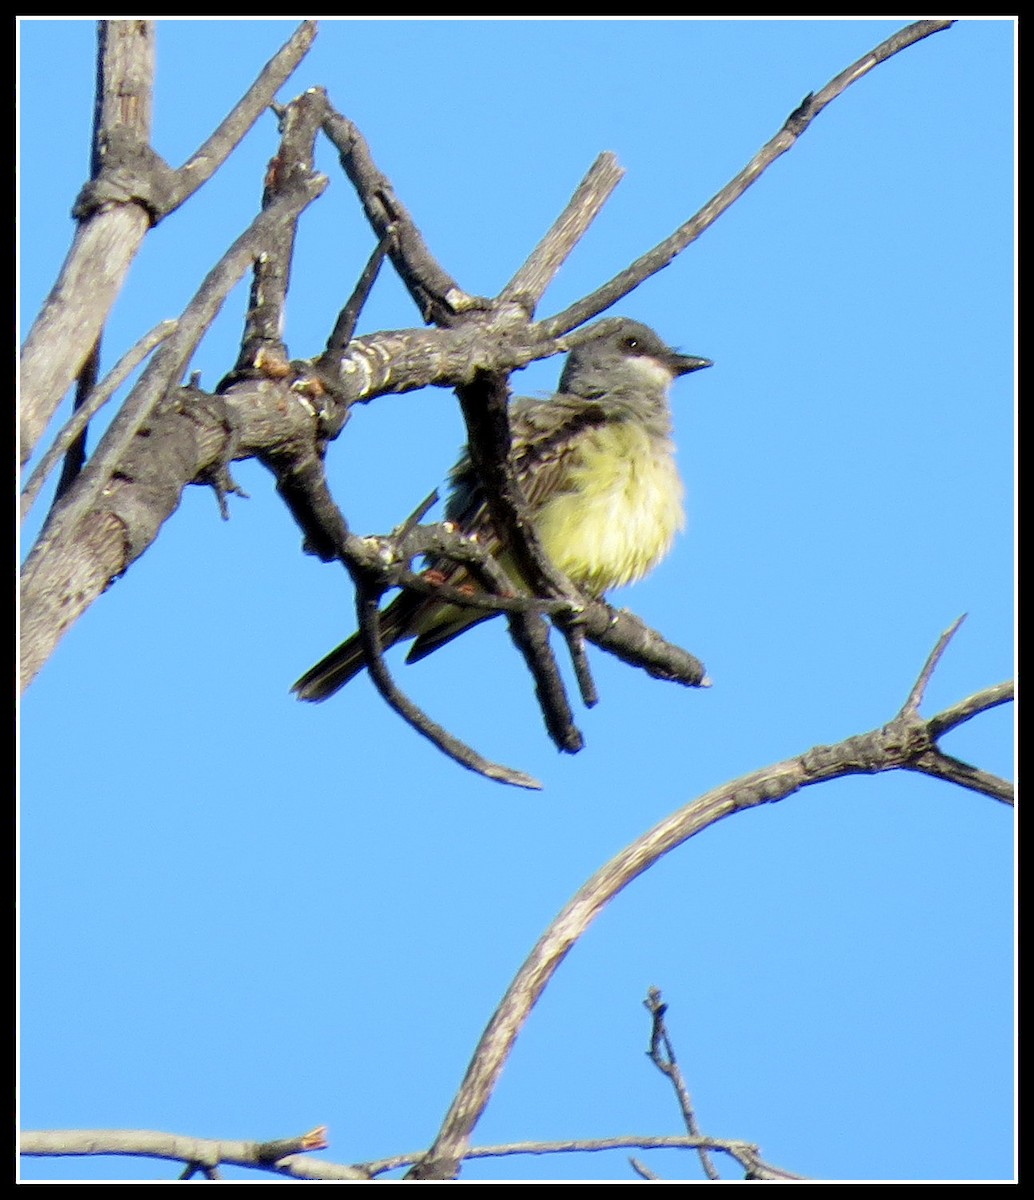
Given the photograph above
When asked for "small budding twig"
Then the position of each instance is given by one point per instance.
(662, 1055)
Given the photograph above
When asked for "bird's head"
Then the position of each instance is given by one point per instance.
(618, 353)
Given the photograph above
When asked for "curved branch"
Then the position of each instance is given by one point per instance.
(466, 756)
(905, 742)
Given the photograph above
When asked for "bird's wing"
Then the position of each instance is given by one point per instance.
(544, 442)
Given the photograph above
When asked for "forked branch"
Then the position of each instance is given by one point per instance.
(906, 742)
(131, 190)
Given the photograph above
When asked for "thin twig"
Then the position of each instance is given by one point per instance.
(662, 254)
(642, 1169)
(210, 156)
(344, 327)
(75, 456)
(574, 635)
(662, 1055)
(745, 1153)
(194, 1168)
(972, 706)
(369, 630)
(532, 279)
(954, 770)
(435, 293)
(915, 696)
(93, 403)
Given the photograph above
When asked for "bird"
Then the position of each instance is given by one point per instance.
(596, 465)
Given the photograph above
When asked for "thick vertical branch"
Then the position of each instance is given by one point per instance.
(131, 189)
(105, 243)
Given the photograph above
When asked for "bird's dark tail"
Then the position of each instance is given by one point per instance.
(343, 663)
(332, 672)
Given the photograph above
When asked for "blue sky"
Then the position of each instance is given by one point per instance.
(242, 916)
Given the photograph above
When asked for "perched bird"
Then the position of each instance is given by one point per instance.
(596, 464)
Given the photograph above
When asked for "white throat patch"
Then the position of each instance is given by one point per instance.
(655, 373)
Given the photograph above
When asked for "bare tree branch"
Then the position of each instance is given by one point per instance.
(263, 349)
(93, 403)
(484, 404)
(210, 156)
(70, 321)
(75, 455)
(289, 1155)
(192, 1169)
(954, 770)
(348, 318)
(624, 635)
(132, 190)
(951, 718)
(641, 1169)
(199, 1154)
(83, 546)
(436, 294)
(915, 697)
(375, 564)
(369, 629)
(745, 1153)
(527, 286)
(798, 121)
(662, 1055)
(905, 742)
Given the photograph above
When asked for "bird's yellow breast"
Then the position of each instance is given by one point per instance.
(620, 510)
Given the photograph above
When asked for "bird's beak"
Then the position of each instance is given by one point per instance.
(682, 364)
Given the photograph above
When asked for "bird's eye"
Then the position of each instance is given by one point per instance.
(632, 343)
